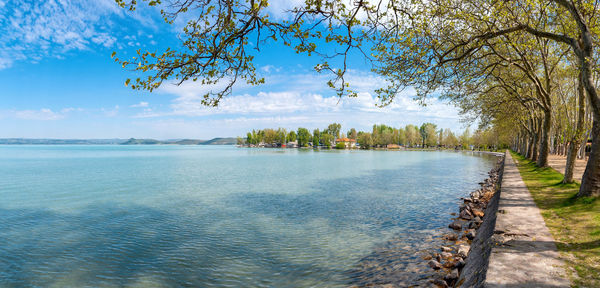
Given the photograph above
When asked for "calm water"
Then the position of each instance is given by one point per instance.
(152, 216)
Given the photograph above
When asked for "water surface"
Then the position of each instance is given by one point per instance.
(221, 216)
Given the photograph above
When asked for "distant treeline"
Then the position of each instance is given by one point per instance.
(427, 135)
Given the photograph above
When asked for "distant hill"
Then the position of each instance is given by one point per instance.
(221, 141)
(131, 141)
(188, 142)
(215, 141)
(25, 141)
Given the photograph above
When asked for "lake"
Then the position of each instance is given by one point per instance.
(222, 216)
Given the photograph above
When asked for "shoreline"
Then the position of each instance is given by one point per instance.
(463, 259)
(378, 149)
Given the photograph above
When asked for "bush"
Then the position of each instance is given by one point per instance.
(340, 146)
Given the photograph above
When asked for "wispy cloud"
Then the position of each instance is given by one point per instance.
(278, 9)
(43, 114)
(33, 30)
(270, 69)
(299, 93)
(140, 105)
(293, 101)
(263, 102)
(111, 112)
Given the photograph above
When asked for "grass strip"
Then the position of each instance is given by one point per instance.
(574, 222)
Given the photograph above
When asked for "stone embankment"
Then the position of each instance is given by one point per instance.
(500, 239)
(462, 261)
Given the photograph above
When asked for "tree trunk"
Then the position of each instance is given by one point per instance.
(571, 156)
(536, 142)
(577, 138)
(590, 183)
(522, 145)
(582, 146)
(531, 146)
(542, 160)
(534, 151)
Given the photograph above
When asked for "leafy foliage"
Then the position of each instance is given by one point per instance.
(303, 137)
(221, 40)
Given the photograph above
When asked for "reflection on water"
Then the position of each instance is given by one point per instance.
(223, 217)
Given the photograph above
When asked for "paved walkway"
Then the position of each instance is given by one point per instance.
(559, 162)
(524, 254)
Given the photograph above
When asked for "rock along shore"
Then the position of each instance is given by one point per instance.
(463, 260)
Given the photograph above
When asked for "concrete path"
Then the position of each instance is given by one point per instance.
(524, 253)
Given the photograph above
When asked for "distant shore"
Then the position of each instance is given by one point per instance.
(398, 148)
(117, 141)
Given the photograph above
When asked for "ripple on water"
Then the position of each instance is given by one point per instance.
(198, 216)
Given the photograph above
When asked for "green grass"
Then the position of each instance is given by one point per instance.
(574, 223)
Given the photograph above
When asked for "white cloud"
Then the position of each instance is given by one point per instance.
(263, 102)
(111, 112)
(70, 109)
(278, 9)
(5, 61)
(140, 105)
(292, 101)
(104, 40)
(270, 68)
(300, 93)
(42, 114)
(193, 90)
(350, 116)
(33, 30)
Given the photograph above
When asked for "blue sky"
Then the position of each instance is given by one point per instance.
(57, 80)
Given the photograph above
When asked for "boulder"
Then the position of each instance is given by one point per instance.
(471, 234)
(451, 237)
(478, 213)
(452, 276)
(434, 265)
(440, 283)
(463, 251)
(450, 263)
(473, 225)
(456, 225)
(465, 214)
